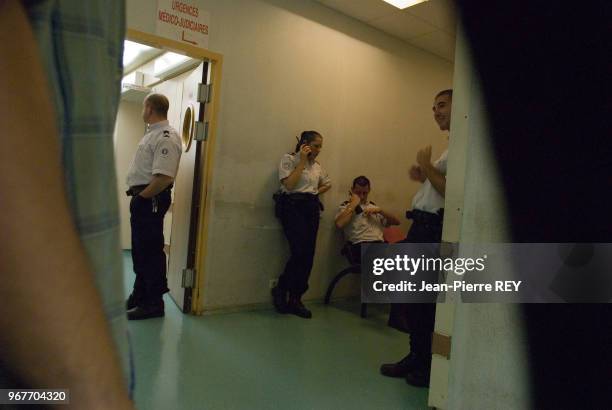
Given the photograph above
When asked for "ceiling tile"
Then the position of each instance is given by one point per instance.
(363, 10)
(438, 42)
(403, 25)
(440, 13)
(429, 25)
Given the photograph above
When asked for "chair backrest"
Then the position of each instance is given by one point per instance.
(393, 234)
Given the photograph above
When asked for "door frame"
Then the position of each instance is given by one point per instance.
(215, 61)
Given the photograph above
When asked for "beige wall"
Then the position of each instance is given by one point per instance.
(290, 66)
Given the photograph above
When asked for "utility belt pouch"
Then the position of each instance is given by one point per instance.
(278, 203)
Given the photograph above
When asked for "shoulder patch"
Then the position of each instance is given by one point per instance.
(344, 203)
(373, 203)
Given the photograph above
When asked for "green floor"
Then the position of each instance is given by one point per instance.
(262, 360)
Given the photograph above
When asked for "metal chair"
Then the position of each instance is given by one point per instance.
(391, 234)
(354, 267)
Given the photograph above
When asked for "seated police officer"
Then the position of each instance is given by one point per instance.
(362, 220)
(150, 179)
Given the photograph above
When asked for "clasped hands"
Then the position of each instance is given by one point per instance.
(423, 159)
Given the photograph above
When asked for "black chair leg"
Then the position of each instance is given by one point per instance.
(364, 310)
(336, 279)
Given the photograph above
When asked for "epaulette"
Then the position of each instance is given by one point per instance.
(344, 203)
(373, 203)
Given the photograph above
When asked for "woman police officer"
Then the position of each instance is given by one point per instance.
(302, 180)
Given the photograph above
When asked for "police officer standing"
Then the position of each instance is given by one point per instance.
(150, 179)
(302, 181)
(426, 214)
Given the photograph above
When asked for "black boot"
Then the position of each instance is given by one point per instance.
(296, 307)
(399, 369)
(131, 302)
(420, 348)
(146, 311)
(279, 299)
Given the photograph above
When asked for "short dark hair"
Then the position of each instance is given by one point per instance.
(361, 181)
(158, 103)
(448, 92)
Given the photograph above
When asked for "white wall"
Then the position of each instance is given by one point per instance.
(290, 66)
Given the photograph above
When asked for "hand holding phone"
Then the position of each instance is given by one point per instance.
(305, 152)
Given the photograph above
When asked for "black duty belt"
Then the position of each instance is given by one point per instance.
(302, 196)
(426, 217)
(136, 189)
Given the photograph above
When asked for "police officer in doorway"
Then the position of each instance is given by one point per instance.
(150, 179)
(426, 214)
(302, 181)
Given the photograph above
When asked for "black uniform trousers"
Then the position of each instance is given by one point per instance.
(148, 257)
(418, 318)
(299, 215)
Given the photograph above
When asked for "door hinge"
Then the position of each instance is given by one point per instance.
(441, 344)
(188, 278)
(204, 93)
(201, 131)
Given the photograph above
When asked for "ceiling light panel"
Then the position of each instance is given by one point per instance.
(131, 51)
(403, 4)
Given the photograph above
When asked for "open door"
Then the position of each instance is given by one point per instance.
(181, 271)
(463, 84)
(478, 353)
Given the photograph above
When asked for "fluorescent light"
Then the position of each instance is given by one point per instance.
(167, 62)
(403, 4)
(131, 51)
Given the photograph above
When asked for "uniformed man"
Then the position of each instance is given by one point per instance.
(361, 220)
(426, 214)
(150, 179)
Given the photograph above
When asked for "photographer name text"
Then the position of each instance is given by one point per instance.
(457, 285)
